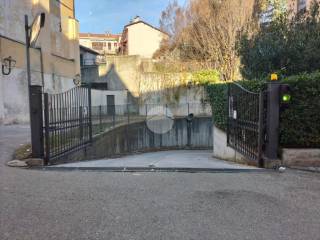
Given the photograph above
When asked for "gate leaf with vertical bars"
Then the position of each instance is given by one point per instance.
(68, 125)
(246, 122)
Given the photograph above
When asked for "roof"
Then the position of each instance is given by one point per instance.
(99, 35)
(89, 50)
(140, 21)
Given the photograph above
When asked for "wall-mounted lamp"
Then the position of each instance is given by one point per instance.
(189, 84)
(7, 65)
(77, 80)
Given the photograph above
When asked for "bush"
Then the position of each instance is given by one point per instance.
(299, 124)
(206, 77)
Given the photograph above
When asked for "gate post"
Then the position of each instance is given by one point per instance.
(90, 113)
(273, 113)
(47, 134)
(36, 121)
(261, 129)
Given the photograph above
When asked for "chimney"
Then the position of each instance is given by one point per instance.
(136, 19)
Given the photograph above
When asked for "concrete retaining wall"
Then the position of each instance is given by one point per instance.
(142, 79)
(290, 157)
(301, 157)
(137, 137)
(222, 151)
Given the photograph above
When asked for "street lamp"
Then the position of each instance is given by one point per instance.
(32, 34)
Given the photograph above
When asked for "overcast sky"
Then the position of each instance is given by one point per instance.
(99, 16)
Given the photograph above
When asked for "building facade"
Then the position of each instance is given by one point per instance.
(291, 6)
(299, 5)
(92, 69)
(55, 59)
(141, 38)
(105, 44)
(88, 57)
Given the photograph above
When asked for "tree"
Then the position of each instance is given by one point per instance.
(207, 31)
(287, 46)
(172, 22)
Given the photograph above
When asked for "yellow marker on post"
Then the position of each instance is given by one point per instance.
(274, 77)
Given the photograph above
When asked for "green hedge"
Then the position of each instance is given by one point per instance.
(299, 124)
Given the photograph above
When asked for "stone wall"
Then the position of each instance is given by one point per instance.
(301, 157)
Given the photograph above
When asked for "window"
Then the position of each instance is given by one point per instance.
(266, 16)
(97, 45)
(109, 46)
(81, 60)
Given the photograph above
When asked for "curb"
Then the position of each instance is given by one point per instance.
(158, 170)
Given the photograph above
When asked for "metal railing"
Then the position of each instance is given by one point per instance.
(68, 125)
(107, 117)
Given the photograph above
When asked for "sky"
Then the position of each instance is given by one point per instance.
(99, 16)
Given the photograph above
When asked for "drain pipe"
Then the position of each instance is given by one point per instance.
(189, 126)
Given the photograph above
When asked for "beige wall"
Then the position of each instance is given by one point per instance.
(143, 40)
(59, 50)
(86, 42)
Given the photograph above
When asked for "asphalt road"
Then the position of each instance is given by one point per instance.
(97, 205)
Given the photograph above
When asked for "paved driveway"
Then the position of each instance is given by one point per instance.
(136, 206)
(184, 159)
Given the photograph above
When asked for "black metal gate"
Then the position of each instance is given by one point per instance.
(246, 122)
(68, 125)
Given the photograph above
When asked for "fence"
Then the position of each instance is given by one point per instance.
(105, 118)
(68, 124)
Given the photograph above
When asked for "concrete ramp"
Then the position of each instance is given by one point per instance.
(183, 160)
